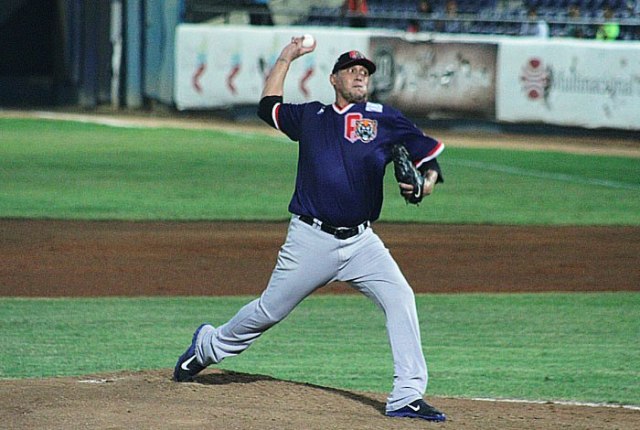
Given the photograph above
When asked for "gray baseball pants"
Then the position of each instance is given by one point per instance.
(310, 259)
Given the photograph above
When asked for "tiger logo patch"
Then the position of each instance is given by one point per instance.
(359, 128)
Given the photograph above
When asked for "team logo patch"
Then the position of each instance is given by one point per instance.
(358, 128)
(366, 129)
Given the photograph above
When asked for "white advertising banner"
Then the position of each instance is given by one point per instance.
(218, 66)
(588, 84)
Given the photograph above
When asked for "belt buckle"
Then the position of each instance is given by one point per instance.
(344, 233)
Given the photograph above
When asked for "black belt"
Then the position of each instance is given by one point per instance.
(338, 232)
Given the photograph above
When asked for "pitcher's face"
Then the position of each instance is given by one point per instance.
(351, 84)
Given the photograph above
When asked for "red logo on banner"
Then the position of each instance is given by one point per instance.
(536, 79)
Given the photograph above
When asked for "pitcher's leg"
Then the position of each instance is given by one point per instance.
(410, 369)
(301, 268)
(374, 272)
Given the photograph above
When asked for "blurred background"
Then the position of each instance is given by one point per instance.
(124, 54)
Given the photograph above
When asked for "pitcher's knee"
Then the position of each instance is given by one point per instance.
(404, 293)
(271, 317)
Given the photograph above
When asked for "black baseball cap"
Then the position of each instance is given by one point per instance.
(353, 58)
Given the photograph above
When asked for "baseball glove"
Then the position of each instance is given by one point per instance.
(407, 173)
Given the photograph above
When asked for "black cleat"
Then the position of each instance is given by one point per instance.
(188, 366)
(419, 409)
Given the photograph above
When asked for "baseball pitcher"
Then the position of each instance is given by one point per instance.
(344, 149)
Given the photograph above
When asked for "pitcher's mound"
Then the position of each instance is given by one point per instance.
(228, 400)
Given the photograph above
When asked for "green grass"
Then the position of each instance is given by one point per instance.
(64, 170)
(56, 169)
(582, 347)
(516, 187)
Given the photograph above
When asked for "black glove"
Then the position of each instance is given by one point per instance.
(407, 173)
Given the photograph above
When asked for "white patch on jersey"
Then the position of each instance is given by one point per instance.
(373, 107)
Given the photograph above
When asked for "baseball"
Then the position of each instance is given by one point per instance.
(307, 41)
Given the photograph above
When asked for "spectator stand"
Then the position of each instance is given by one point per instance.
(490, 16)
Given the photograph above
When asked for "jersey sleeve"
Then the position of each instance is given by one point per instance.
(266, 109)
(285, 117)
(423, 149)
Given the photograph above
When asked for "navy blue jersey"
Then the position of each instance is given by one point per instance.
(343, 155)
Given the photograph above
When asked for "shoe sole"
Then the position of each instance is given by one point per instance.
(434, 418)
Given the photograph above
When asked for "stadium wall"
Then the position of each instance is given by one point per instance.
(565, 82)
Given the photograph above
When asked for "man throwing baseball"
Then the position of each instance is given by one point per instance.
(344, 148)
